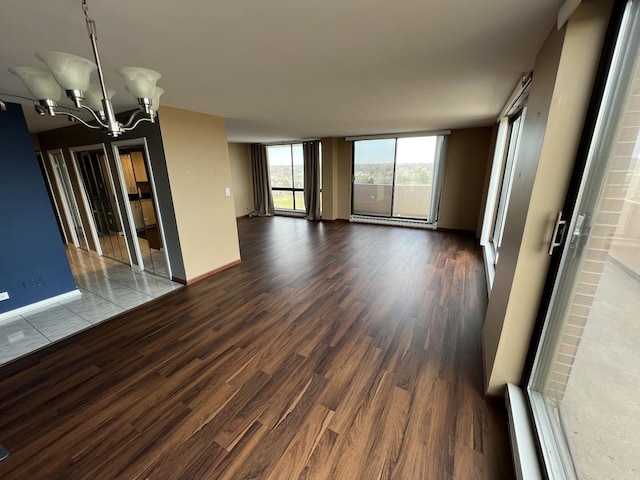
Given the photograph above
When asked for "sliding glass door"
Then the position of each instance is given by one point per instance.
(397, 177)
(585, 381)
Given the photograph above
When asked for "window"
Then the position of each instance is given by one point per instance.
(506, 182)
(286, 169)
(503, 171)
(398, 177)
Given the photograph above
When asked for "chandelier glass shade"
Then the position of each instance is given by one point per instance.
(70, 71)
(72, 74)
(93, 97)
(39, 82)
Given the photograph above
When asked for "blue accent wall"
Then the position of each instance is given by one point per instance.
(33, 263)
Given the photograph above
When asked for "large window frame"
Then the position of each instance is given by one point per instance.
(275, 159)
(510, 126)
(296, 187)
(388, 189)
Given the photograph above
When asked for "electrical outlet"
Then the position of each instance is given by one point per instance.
(33, 282)
(4, 296)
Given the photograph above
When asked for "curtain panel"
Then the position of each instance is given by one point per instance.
(262, 197)
(312, 179)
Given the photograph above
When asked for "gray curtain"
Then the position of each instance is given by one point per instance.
(262, 197)
(312, 179)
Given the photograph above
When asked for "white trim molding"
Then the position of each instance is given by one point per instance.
(42, 303)
(525, 458)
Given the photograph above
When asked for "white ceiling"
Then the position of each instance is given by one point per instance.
(294, 69)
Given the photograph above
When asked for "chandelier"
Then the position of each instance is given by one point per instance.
(72, 73)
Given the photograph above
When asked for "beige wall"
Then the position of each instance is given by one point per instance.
(241, 178)
(329, 171)
(197, 158)
(462, 190)
(561, 89)
(336, 179)
(345, 150)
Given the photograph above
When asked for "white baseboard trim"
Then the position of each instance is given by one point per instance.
(525, 457)
(40, 304)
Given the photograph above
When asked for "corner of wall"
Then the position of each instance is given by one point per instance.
(197, 157)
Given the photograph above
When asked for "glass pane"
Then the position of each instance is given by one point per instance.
(515, 129)
(415, 161)
(586, 379)
(96, 181)
(298, 166)
(62, 176)
(373, 176)
(279, 159)
(300, 201)
(282, 199)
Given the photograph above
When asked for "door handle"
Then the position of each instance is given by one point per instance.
(559, 231)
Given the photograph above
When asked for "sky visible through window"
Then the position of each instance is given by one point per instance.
(414, 159)
(410, 150)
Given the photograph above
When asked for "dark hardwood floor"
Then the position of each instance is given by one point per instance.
(334, 351)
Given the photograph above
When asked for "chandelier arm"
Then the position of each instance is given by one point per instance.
(95, 116)
(16, 96)
(140, 120)
(77, 118)
(132, 118)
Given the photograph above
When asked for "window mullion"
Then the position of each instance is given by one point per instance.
(393, 177)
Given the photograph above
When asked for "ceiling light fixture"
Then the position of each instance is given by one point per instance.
(72, 73)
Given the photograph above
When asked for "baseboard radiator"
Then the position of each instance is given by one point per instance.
(525, 458)
(290, 213)
(399, 222)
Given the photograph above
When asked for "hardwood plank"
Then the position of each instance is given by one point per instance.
(332, 351)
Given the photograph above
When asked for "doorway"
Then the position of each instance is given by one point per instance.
(136, 179)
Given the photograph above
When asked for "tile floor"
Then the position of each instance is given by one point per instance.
(107, 288)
